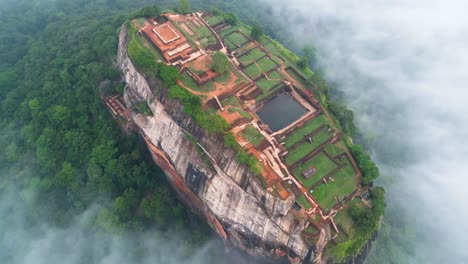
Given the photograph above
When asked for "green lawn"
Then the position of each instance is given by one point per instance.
(224, 78)
(265, 94)
(143, 43)
(194, 29)
(252, 135)
(231, 45)
(239, 26)
(246, 60)
(190, 83)
(228, 30)
(298, 134)
(305, 148)
(340, 238)
(232, 101)
(241, 111)
(343, 218)
(335, 149)
(294, 75)
(205, 42)
(213, 20)
(344, 183)
(206, 32)
(323, 165)
(251, 56)
(236, 38)
(275, 75)
(289, 58)
(266, 85)
(253, 71)
(190, 39)
(311, 229)
(266, 64)
(303, 201)
(276, 59)
(141, 21)
(348, 168)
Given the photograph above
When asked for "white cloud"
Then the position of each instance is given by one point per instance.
(403, 68)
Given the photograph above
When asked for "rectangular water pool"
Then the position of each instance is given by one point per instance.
(280, 112)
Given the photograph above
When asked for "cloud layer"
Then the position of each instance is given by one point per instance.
(402, 68)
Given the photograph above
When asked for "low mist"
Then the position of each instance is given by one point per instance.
(25, 239)
(401, 67)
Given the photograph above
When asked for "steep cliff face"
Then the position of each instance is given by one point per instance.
(207, 175)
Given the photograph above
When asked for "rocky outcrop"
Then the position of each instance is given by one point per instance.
(207, 175)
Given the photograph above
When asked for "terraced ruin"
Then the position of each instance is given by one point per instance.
(273, 113)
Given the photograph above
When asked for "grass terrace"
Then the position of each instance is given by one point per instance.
(252, 135)
(311, 230)
(253, 71)
(241, 112)
(213, 20)
(188, 82)
(323, 165)
(267, 92)
(239, 26)
(344, 182)
(275, 75)
(340, 237)
(303, 202)
(306, 147)
(231, 101)
(343, 219)
(237, 38)
(335, 149)
(266, 84)
(251, 56)
(266, 64)
(298, 134)
(290, 59)
(140, 21)
(201, 34)
(225, 78)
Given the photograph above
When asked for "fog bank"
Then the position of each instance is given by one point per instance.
(25, 239)
(402, 68)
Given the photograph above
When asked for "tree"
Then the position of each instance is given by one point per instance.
(230, 18)
(303, 62)
(256, 32)
(369, 170)
(184, 6)
(219, 62)
(344, 116)
(215, 11)
(310, 53)
(169, 74)
(148, 12)
(59, 114)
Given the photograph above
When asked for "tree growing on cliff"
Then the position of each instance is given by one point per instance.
(148, 12)
(219, 62)
(370, 171)
(184, 6)
(344, 116)
(256, 32)
(303, 62)
(230, 18)
(169, 74)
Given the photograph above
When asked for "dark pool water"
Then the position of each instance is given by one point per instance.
(280, 112)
